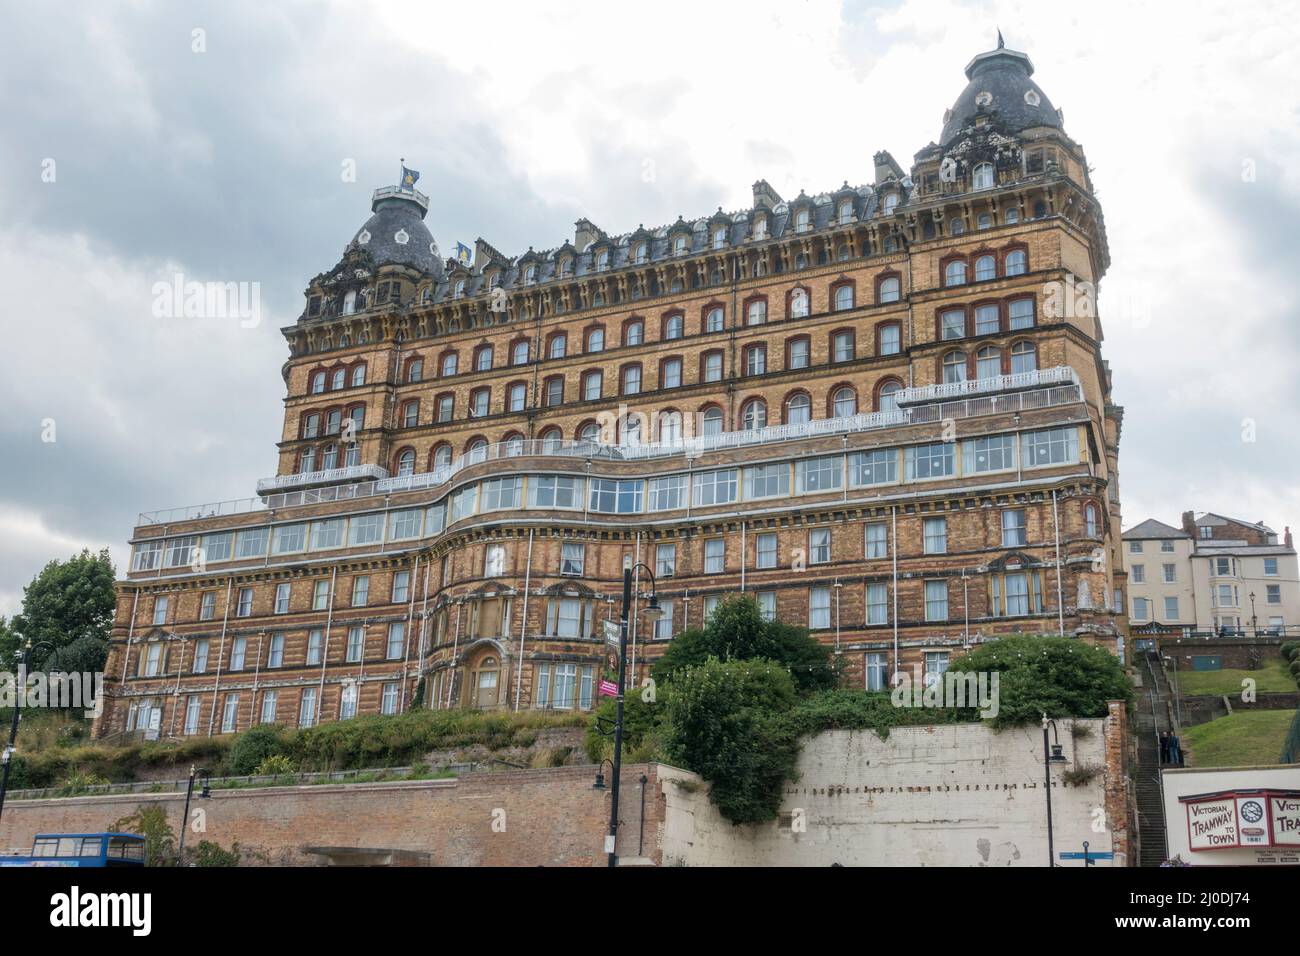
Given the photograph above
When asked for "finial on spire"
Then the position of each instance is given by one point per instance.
(1001, 43)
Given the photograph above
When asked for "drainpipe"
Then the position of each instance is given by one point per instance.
(893, 551)
(176, 694)
(325, 651)
(221, 654)
(406, 655)
(744, 554)
(636, 585)
(424, 624)
(1060, 603)
(455, 644)
(257, 670)
(523, 623)
(130, 632)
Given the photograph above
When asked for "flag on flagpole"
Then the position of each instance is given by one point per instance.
(464, 253)
(409, 177)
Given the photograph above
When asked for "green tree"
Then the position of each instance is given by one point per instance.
(1059, 676)
(68, 601)
(151, 823)
(736, 630)
(729, 722)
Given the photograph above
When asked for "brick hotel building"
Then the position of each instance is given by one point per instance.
(867, 408)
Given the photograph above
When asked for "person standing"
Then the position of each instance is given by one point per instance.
(1164, 747)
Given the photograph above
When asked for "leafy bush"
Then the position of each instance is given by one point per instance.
(208, 853)
(643, 728)
(729, 724)
(252, 748)
(79, 782)
(150, 822)
(1059, 676)
(276, 765)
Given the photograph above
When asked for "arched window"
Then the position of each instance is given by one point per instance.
(845, 402)
(756, 313)
(670, 427)
(956, 227)
(988, 362)
(890, 203)
(846, 211)
(459, 289)
(589, 432)
(844, 298)
(551, 440)
(842, 253)
(1024, 358)
(954, 367)
(955, 273)
(307, 460)
(352, 455)
(674, 326)
(514, 444)
(986, 267)
(889, 397)
(483, 358)
(519, 353)
(634, 332)
(719, 237)
(982, 176)
(476, 451)
(449, 364)
(1090, 520)
(798, 409)
(798, 304)
(1011, 215)
(753, 415)
(983, 221)
(632, 429)
(559, 342)
(602, 260)
(639, 255)
(359, 374)
(350, 302)
(711, 422)
(530, 274)
(801, 221)
(889, 289)
(1017, 262)
(679, 246)
(329, 457)
(318, 383)
(339, 378)
(406, 462)
(442, 457)
(595, 340)
(713, 321)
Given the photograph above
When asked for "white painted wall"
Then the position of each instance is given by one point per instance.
(945, 795)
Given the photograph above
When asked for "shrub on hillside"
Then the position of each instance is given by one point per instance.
(252, 748)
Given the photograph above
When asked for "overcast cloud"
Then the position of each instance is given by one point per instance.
(226, 165)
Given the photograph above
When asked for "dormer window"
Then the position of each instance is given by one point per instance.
(802, 221)
(530, 275)
(350, 302)
(639, 255)
(566, 266)
(602, 260)
(679, 246)
(719, 237)
(760, 228)
(460, 288)
(890, 203)
(846, 212)
(982, 176)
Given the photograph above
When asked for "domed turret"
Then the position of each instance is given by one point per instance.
(1000, 87)
(395, 233)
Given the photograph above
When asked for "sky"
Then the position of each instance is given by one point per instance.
(240, 141)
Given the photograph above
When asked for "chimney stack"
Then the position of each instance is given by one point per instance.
(1290, 543)
(1189, 523)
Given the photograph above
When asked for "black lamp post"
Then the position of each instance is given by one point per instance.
(22, 658)
(651, 613)
(204, 793)
(600, 775)
(1055, 756)
(1254, 622)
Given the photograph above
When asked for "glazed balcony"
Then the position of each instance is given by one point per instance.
(315, 479)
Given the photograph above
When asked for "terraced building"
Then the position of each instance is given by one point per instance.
(880, 410)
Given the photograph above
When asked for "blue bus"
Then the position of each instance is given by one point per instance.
(82, 849)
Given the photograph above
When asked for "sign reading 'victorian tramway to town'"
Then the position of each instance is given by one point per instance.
(1243, 818)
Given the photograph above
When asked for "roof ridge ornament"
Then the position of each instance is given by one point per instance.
(1001, 43)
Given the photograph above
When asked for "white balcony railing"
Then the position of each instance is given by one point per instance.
(295, 490)
(1060, 375)
(328, 477)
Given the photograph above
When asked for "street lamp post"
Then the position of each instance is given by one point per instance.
(1254, 621)
(185, 816)
(1048, 759)
(22, 658)
(651, 613)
